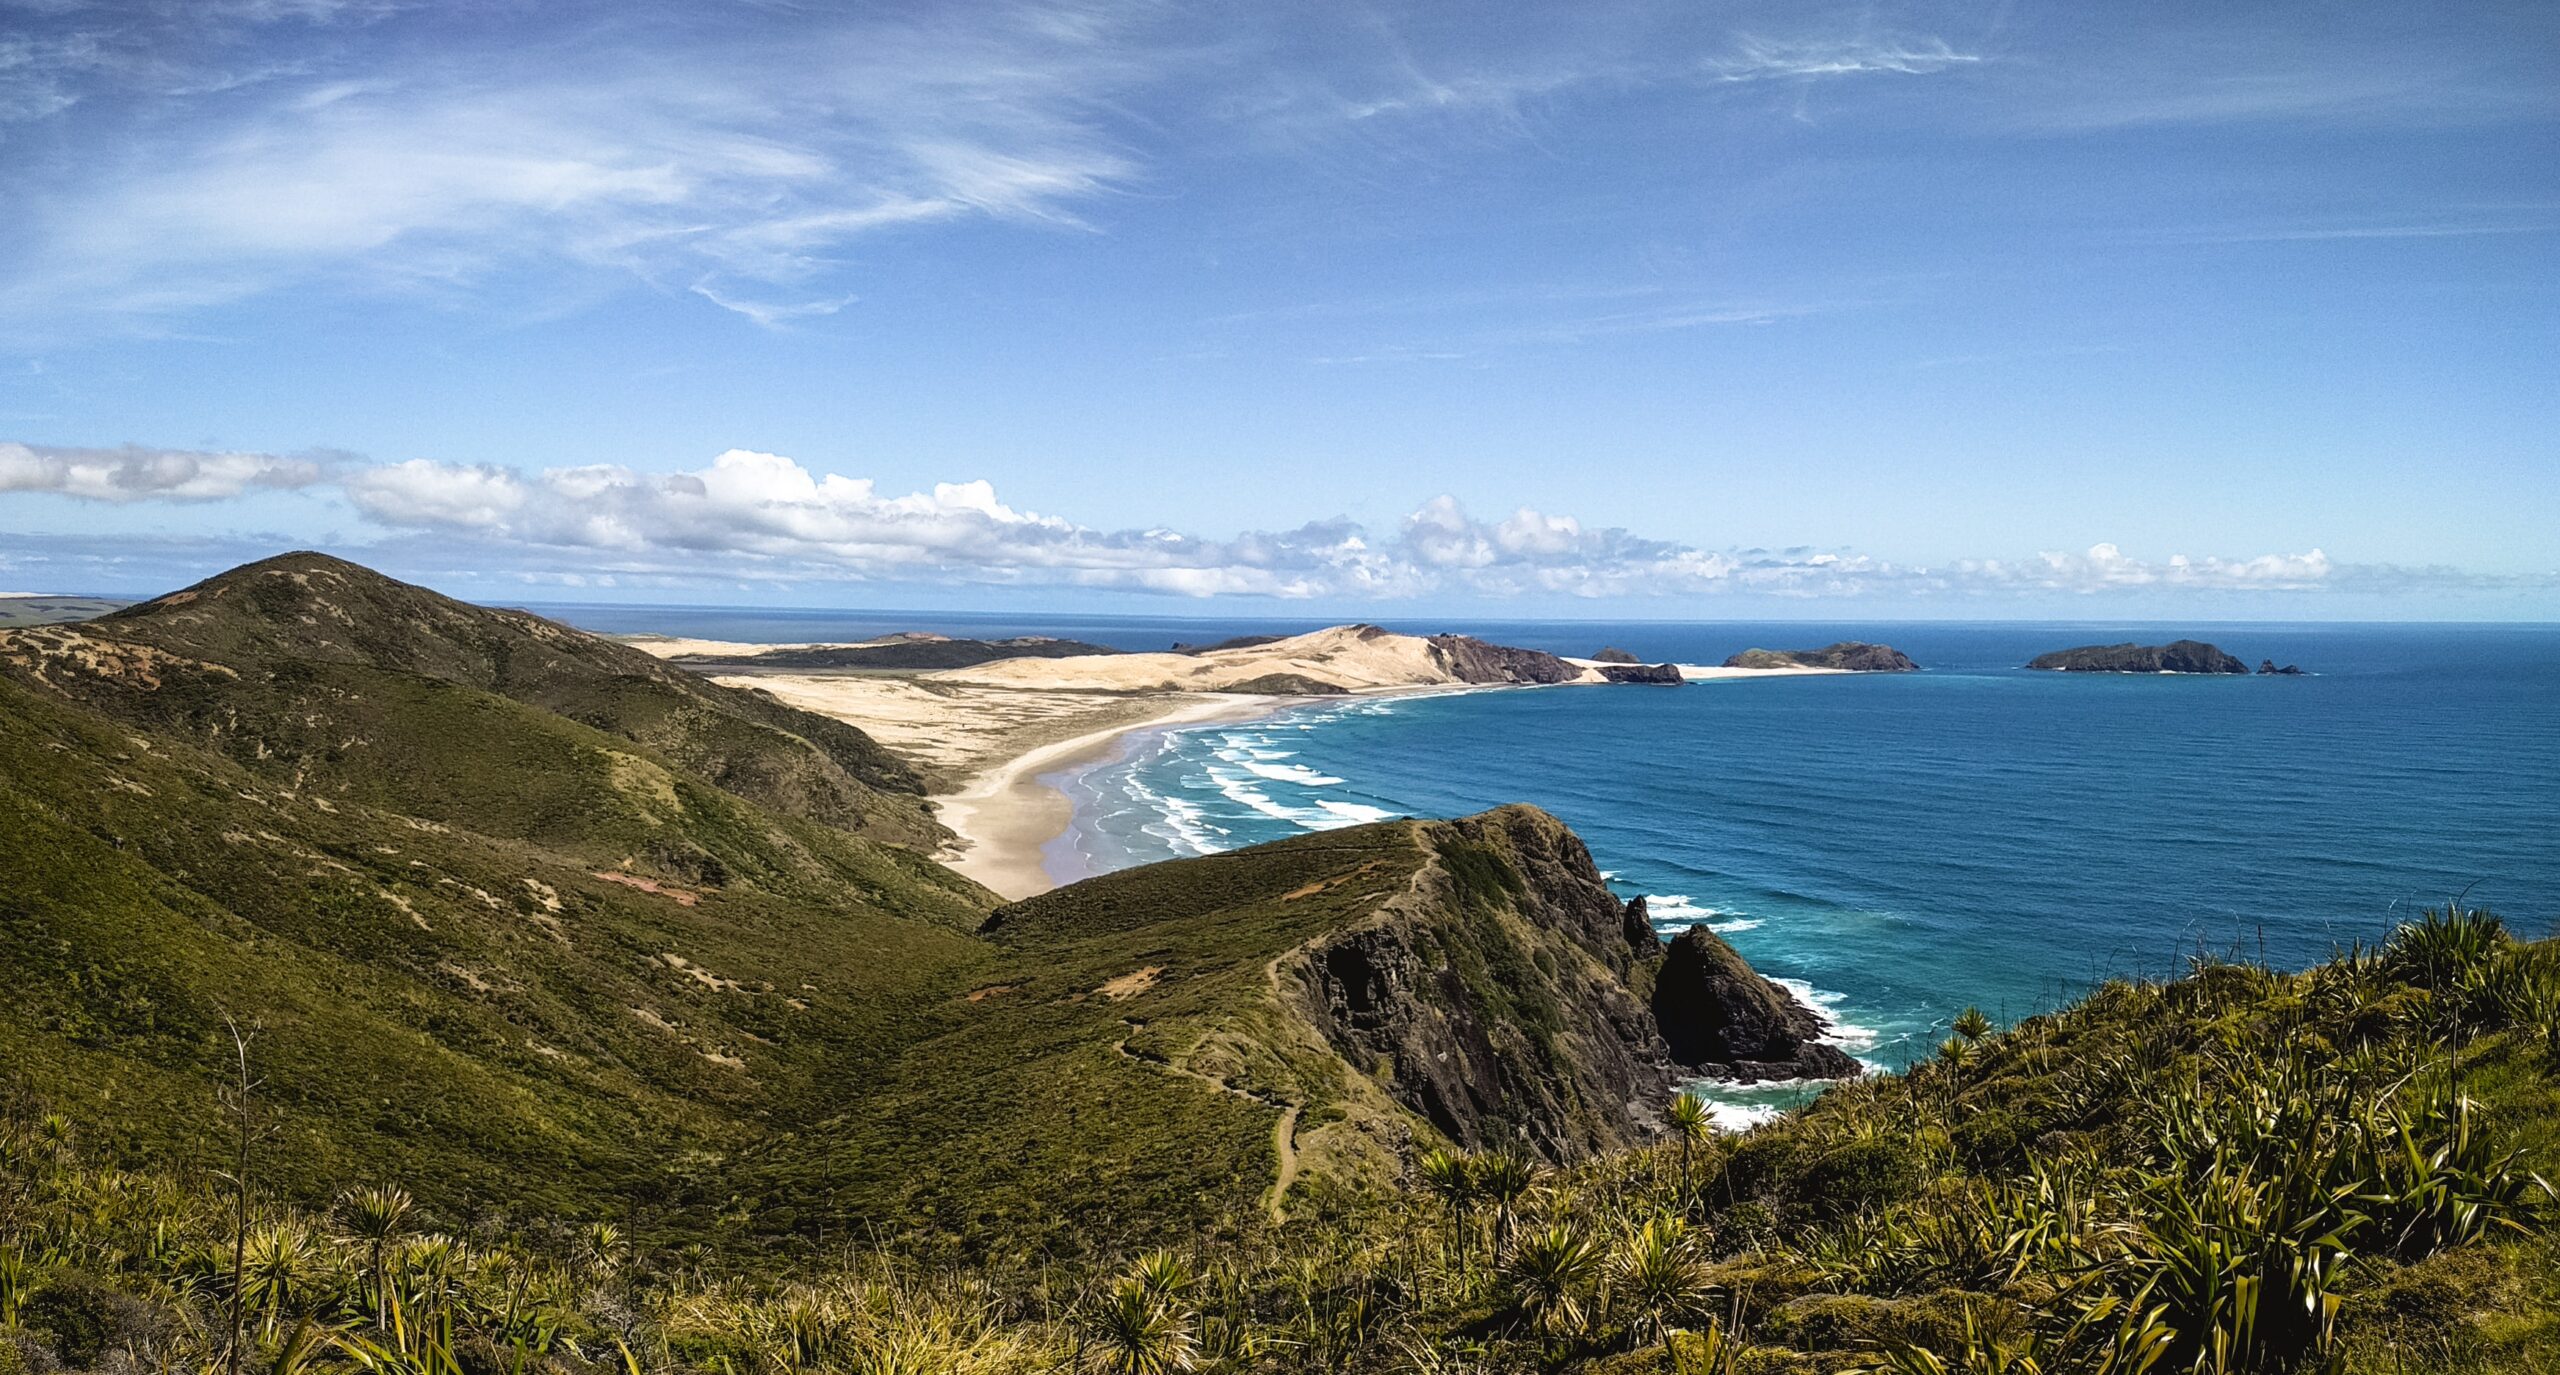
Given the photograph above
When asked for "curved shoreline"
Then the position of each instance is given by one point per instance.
(1006, 816)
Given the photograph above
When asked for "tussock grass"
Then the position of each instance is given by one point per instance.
(2242, 1170)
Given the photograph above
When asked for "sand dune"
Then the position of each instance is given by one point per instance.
(986, 735)
(1353, 658)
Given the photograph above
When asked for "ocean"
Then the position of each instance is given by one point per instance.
(1896, 847)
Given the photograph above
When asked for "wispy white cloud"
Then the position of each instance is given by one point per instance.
(1765, 59)
(737, 162)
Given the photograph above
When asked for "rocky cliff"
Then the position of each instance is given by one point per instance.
(1470, 660)
(2177, 656)
(1510, 995)
(1367, 991)
(1849, 656)
(1498, 996)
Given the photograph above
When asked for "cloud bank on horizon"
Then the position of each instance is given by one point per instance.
(767, 518)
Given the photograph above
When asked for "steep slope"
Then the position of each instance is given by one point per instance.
(1193, 1043)
(285, 664)
(517, 1022)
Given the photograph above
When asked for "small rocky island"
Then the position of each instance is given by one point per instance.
(1614, 655)
(2288, 671)
(1848, 656)
(2177, 656)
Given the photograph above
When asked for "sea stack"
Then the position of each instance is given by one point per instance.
(1722, 1019)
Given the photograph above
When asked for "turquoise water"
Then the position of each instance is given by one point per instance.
(1900, 846)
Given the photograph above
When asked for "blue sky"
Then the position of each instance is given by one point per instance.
(1693, 309)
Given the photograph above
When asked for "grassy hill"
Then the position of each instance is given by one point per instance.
(574, 932)
(300, 665)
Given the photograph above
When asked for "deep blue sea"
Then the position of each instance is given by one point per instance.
(1900, 846)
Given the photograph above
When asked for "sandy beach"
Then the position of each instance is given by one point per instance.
(1006, 816)
(984, 737)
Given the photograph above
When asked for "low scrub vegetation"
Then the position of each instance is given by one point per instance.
(2241, 1170)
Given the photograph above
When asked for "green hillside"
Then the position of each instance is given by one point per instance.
(2242, 1171)
(632, 961)
(300, 665)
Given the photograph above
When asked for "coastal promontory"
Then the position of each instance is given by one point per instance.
(2177, 656)
(1848, 656)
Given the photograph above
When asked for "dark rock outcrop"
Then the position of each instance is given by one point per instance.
(2269, 666)
(1470, 660)
(1615, 655)
(1721, 1018)
(2177, 656)
(1853, 656)
(1665, 675)
(1510, 995)
(1286, 685)
(1497, 998)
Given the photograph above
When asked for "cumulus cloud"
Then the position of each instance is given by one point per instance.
(763, 515)
(134, 473)
(772, 513)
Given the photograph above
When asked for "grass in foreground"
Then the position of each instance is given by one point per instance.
(2241, 1170)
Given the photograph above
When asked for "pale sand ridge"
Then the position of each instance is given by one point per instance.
(984, 736)
(1355, 658)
